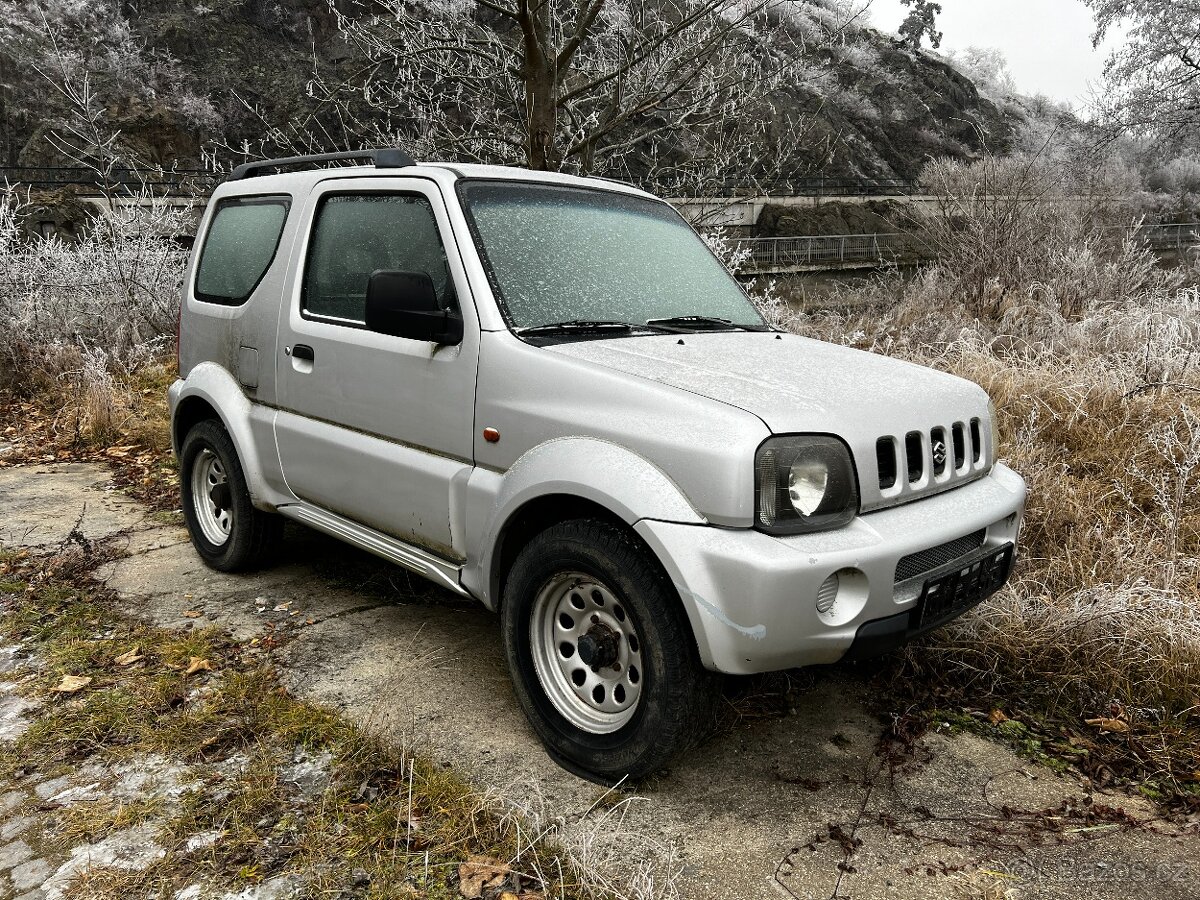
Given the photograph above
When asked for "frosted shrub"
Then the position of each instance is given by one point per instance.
(763, 293)
(114, 292)
(1095, 371)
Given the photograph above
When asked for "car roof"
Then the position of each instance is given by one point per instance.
(307, 179)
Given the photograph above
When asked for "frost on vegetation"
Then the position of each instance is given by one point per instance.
(771, 305)
(1091, 351)
(106, 302)
(612, 855)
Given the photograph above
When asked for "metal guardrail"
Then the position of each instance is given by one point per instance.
(1178, 236)
(130, 179)
(808, 186)
(797, 253)
(123, 180)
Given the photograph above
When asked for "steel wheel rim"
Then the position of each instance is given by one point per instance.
(211, 498)
(572, 614)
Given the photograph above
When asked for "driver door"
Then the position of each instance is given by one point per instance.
(375, 427)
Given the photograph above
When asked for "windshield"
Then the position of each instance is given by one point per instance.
(559, 254)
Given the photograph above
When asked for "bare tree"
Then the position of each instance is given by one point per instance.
(1153, 78)
(669, 91)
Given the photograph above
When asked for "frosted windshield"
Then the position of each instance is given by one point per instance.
(565, 254)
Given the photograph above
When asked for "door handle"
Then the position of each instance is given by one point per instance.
(302, 351)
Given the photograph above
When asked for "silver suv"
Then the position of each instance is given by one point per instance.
(544, 392)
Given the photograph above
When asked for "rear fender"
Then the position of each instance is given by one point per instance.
(250, 426)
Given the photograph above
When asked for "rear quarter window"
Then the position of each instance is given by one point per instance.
(240, 244)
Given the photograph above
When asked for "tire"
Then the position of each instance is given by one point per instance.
(227, 531)
(628, 637)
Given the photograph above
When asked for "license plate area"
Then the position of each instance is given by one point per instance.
(949, 594)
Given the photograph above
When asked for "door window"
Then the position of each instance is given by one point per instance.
(239, 247)
(357, 234)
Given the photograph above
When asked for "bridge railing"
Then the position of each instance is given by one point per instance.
(1176, 235)
(121, 180)
(809, 186)
(776, 254)
(191, 179)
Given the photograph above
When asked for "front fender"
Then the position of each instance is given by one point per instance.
(606, 474)
(250, 426)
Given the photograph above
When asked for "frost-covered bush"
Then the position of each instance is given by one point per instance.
(1091, 353)
(113, 293)
(1018, 236)
(762, 292)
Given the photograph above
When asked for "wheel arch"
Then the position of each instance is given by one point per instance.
(210, 392)
(572, 478)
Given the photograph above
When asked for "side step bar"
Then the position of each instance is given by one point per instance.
(411, 557)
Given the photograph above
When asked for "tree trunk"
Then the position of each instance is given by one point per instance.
(539, 72)
(543, 121)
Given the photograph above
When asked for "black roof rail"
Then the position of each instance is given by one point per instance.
(387, 158)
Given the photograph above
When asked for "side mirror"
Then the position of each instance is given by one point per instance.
(404, 304)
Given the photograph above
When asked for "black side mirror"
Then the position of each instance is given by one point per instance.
(404, 304)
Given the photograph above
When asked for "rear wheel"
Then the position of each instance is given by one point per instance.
(226, 530)
(601, 653)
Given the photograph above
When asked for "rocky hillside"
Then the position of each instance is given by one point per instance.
(178, 77)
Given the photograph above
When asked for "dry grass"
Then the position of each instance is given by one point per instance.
(1099, 408)
(383, 810)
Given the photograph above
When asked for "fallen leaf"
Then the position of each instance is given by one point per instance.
(197, 665)
(192, 614)
(130, 657)
(996, 716)
(72, 683)
(478, 871)
(1108, 724)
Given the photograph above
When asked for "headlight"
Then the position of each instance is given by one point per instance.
(804, 483)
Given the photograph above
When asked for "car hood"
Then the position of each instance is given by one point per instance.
(799, 385)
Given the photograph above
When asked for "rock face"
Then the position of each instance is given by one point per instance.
(862, 106)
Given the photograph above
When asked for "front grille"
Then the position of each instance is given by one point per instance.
(935, 557)
(922, 462)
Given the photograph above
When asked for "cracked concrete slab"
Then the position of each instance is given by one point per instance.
(799, 806)
(42, 503)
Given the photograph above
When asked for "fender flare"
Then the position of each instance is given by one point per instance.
(606, 474)
(212, 384)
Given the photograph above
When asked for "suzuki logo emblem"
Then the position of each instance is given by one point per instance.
(939, 453)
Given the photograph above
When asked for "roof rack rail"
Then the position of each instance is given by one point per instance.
(387, 158)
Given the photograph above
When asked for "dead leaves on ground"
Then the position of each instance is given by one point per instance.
(487, 877)
(72, 684)
(196, 664)
(129, 657)
(1106, 724)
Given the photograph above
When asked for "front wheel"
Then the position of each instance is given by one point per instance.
(227, 531)
(601, 653)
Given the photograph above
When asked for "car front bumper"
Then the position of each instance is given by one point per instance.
(752, 597)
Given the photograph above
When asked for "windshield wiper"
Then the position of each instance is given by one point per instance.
(583, 326)
(575, 325)
(700, 322)
(697, 321)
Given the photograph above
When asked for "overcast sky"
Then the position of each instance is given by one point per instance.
(1048, 43)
